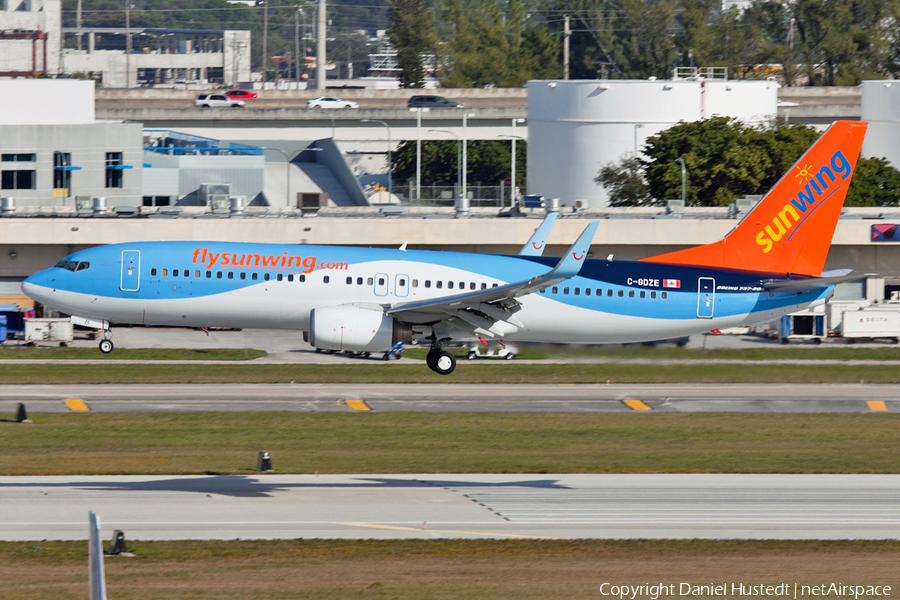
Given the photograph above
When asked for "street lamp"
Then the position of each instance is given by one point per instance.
(683, 178)
(390, 155)
(465, 143)
(512, 169)
(287, 162)
(418, 112)
(636, 127)
(458, 157)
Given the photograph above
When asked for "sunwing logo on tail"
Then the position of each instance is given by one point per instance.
(819, 186)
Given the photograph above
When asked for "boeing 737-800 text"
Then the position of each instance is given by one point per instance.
(365, 299)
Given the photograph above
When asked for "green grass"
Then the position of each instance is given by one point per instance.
(466, 372)
(57, 353)
(406, 442)
(433, 569)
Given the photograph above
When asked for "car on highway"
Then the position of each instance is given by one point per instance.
(432, 102)
(217, 101)
(240, 94)
(330, 102)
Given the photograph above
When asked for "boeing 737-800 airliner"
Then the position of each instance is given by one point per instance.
(365, 299)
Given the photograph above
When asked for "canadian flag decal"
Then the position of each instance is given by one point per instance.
(671, 283)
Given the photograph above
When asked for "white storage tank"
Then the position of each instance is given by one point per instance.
(575, 127)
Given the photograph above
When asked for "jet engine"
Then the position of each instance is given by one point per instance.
(356, 328)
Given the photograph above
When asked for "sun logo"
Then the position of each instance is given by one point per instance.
(804, 173)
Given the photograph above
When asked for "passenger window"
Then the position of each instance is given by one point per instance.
(380, 280)
(165, 272)
(208, 274)
(543, 290)
(174, 272)
(301, 278)
(472, 286)
(230, 274)
(631, 293)
(621, 293)
(493, 286)
(439, 284)
(266, 276)
(600, 292)
(587, 291)
(218, 274)
(196, 273)
(279, 277)
(484, 286)
(243, 275)
(652, 294)
(428, 283)
(415, 283)
(554, 289)
(326, 279)
(577, 291)
(152, 271)
(254, 276)
(401, 282)
(290, 277)
(449, 285)
(643, 294)
(566, 291)
(349, 281)
(663, 295)
(609, 292)
(359, 280)
(462, 285)
(370, 281)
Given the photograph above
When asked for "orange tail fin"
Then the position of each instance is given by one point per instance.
(791, 228)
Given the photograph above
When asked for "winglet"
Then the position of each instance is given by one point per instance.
(538, 241)
(573, 259)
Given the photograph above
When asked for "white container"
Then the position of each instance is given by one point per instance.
(871, 323)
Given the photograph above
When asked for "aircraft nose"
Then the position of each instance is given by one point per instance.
(35, 287)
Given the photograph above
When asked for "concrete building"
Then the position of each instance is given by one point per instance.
(881, 108)
(576, 127)
(52, 151)
(30, 37)
(162, 57)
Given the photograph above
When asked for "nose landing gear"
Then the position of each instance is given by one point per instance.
(106, 345)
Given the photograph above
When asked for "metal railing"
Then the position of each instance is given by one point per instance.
(443, 195)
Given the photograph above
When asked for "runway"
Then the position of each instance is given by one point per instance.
(455, 506)
(449, 397)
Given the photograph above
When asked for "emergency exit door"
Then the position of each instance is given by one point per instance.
(706, 298)
(131, 271)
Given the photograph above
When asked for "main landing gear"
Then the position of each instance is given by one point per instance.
(440, 361)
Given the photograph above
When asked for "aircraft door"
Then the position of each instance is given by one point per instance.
(381, 284)
(401, 286)
(706, 297)
(131, 271)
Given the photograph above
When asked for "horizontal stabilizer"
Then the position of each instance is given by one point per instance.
(800, 285)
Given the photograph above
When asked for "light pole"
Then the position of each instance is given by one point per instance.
(683, 178)
(465, 143)
(512, 169)
(458, 157)
(390, 154)
(636, 127)
(418, 112)
(297, 46)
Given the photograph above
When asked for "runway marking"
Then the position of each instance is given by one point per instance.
(485, 533)
(357, 404)
(636, 405)
(76, 404)
(877, 405)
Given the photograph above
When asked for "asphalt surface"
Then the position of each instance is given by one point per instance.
(448, 397)
(455, 506)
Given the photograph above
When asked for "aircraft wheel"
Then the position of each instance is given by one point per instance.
(472, 355)
(444, 363)
(429, 358)
(106, 346)
(510, 356)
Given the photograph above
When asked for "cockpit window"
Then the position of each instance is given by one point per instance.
(73, 265)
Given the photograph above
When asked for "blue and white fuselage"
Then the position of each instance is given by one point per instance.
(219, 284)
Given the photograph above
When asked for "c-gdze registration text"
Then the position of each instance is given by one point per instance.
(788, 590)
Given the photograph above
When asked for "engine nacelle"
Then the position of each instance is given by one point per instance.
(356, 328)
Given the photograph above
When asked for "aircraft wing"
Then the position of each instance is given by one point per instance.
(482, 308)
(800, 285)
(538, 240)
